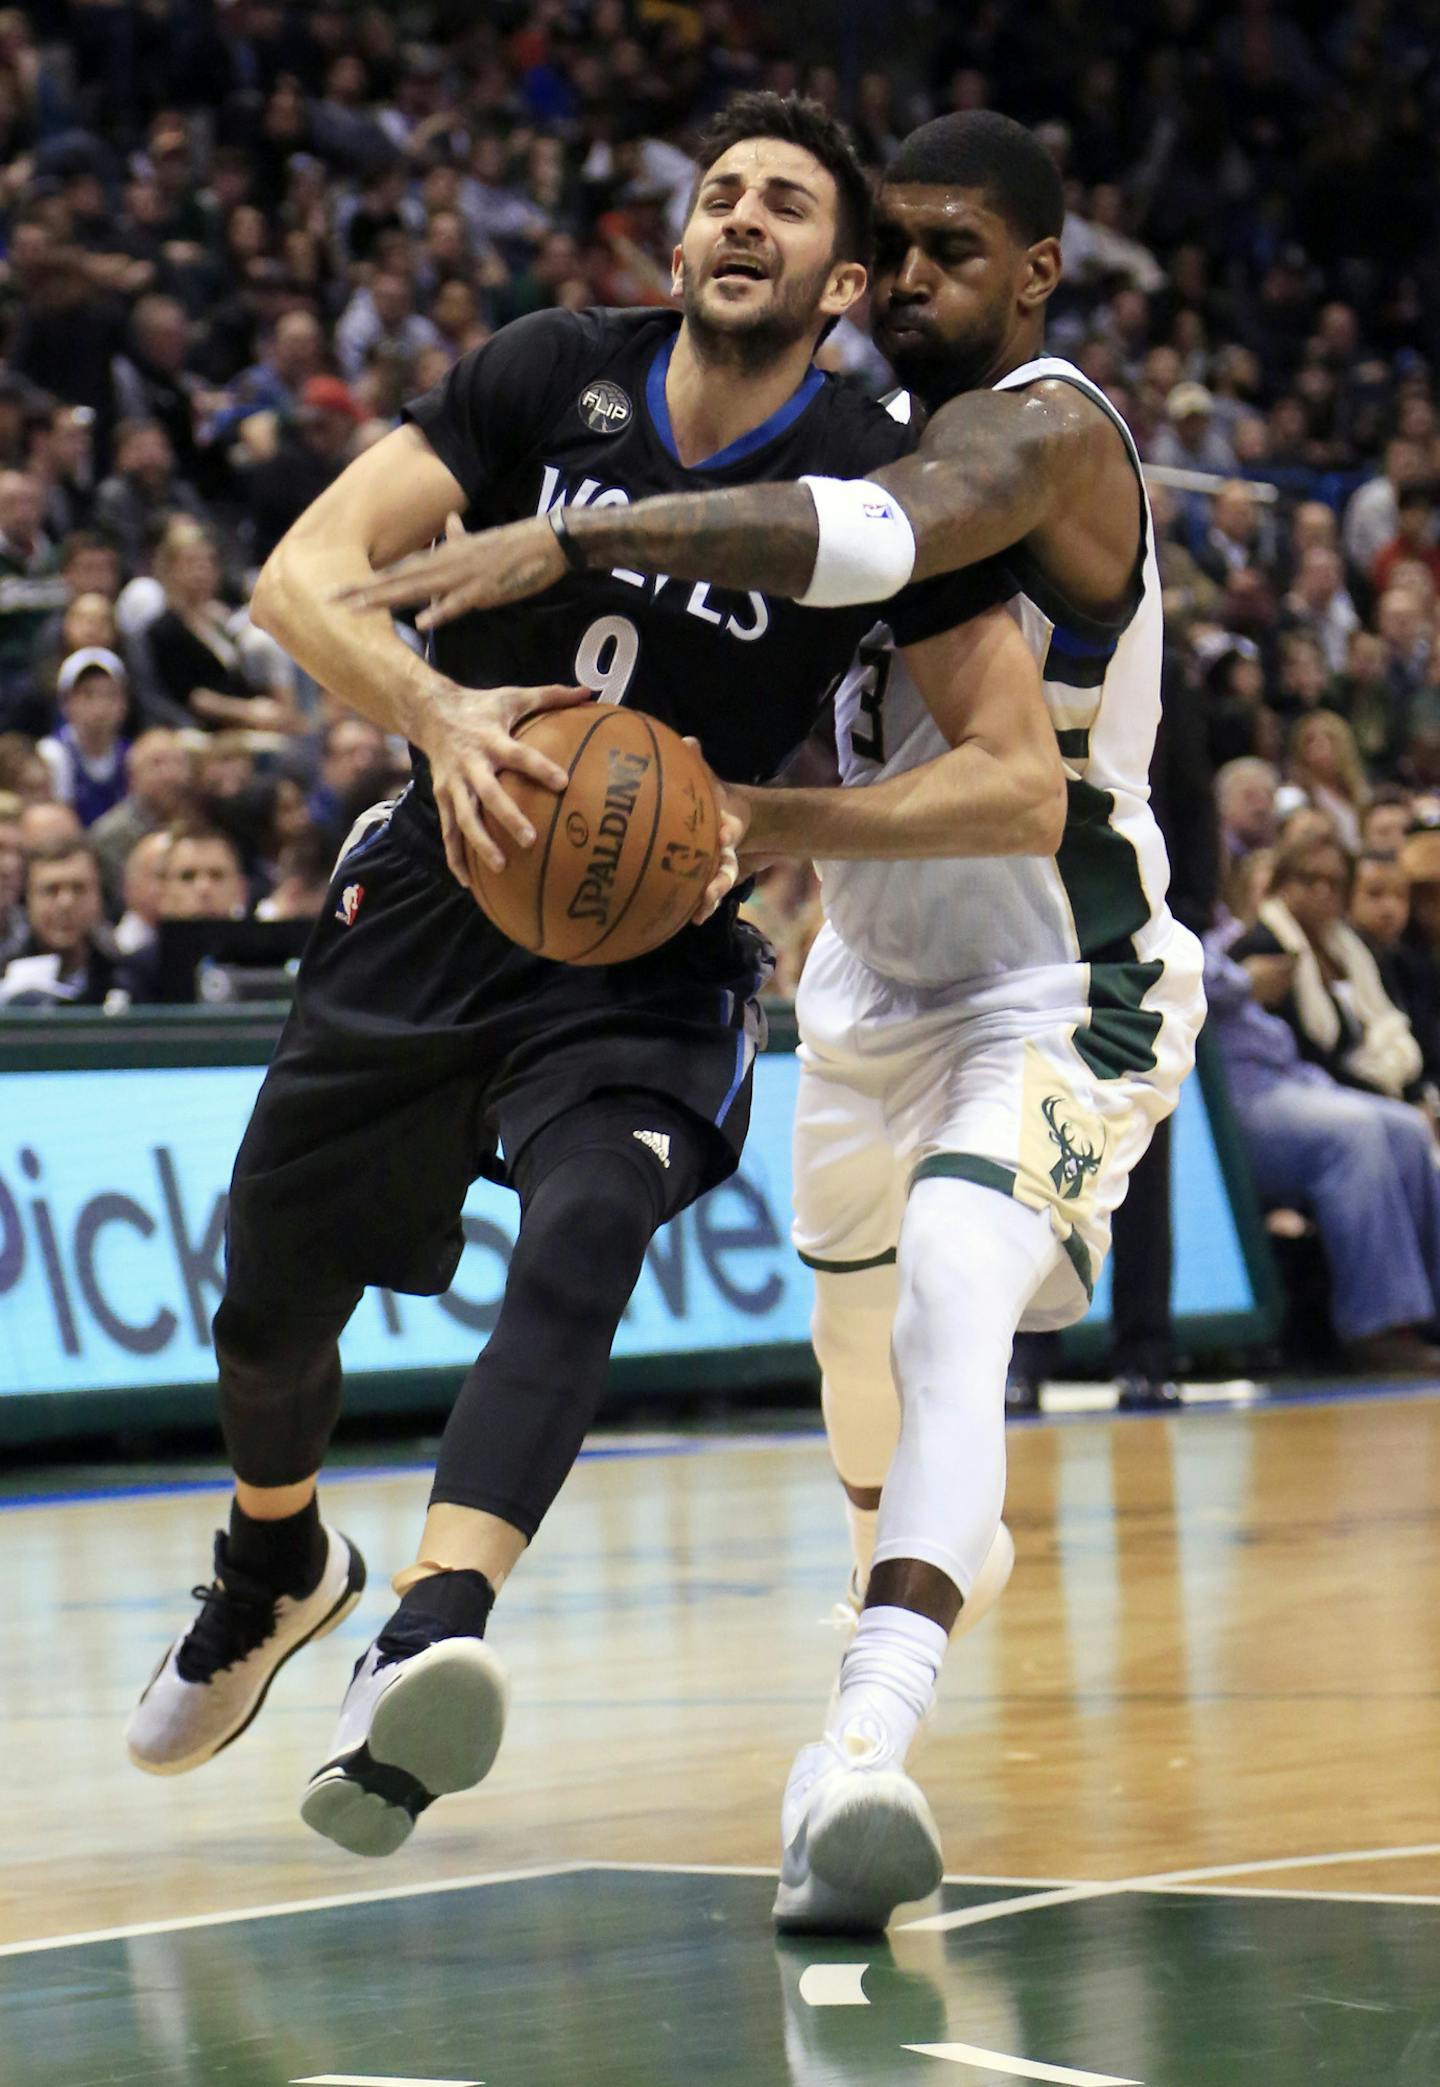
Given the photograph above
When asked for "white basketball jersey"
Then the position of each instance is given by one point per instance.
(1102, 897)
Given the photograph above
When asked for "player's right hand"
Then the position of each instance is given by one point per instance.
(468, 742)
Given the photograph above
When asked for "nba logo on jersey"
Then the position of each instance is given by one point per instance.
(349, 904)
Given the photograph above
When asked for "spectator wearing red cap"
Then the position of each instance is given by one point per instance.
(314, 447)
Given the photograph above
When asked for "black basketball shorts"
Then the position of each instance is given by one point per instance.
(422, 1044)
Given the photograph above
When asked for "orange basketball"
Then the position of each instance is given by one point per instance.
(621, 856)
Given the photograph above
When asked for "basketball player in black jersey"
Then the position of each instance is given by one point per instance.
(421, 1040)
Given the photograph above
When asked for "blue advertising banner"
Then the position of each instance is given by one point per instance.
(112, 1215)
(112, 1212)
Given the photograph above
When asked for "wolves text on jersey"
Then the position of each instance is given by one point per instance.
(553, 493)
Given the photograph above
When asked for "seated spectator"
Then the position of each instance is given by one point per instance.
(194, 646)
(65, 959)
(1386, 820)
(86, 756)
(302, 886)
(1239, 722)
(89, 620)
(31, 590)
(354, 773)
(157, 776)
(1325, 763)
(142, 490)
(1361, 1163)
(1343, 1018)
(224, 767)
(60, 456)
(23, 773)
(1413, 542)
(1235, 537)
(1302, 680)
(14, 927)
(1379, 909)
(143, 887)
(1245, 800)
(294, 352)
(1373, 700)
(1372, 513)
(382, 315)
(1416, 962)
(1190, 440)
(313, 448)
(47, 821)
(152, 383)
(1319, 603)
(201, 878)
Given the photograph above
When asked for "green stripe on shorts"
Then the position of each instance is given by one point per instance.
(885, 1260)
(988, 1173)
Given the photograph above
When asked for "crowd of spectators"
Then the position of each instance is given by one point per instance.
(236, 234)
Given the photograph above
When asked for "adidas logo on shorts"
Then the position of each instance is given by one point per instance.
(656, 1141)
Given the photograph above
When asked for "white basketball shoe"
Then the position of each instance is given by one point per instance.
(858, 1838)
(414, 1726)
(212, 1682)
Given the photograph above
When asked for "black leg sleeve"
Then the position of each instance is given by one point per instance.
(279, 1361)
(593, 1193)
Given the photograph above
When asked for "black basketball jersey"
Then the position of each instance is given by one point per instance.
(569, 407)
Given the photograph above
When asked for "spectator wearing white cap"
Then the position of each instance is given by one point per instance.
(1190, 439)
(86, 756)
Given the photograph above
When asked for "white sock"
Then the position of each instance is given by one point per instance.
(887, 1683)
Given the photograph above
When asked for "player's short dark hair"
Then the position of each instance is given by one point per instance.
(979, 148)
(797, 121)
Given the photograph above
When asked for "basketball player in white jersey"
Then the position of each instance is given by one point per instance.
(987, 1044)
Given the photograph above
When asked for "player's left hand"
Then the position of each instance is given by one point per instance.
(479, 571)
(734, 811)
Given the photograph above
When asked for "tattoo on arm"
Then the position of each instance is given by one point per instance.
(761, 536)
(991, 467)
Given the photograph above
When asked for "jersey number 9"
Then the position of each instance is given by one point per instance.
(606, 657)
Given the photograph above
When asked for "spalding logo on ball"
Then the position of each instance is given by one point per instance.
(621, 856)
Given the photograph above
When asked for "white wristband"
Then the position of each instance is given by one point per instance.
(867, 547)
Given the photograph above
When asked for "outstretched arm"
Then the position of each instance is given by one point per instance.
(992, 467)
(999, 790)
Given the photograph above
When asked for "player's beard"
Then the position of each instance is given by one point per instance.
(937, 367)
(753, 344)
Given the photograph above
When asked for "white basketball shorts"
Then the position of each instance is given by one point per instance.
(1044, 1085)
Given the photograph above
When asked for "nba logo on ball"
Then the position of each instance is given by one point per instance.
(604, 407)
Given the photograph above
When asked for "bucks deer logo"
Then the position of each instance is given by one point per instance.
(1077, 1162)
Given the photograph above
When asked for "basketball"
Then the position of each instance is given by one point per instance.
(621, 856)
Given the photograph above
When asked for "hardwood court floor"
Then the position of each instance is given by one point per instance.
(1219, 1655)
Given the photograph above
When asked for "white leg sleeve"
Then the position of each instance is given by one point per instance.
(851, 1327)
(970, 1260)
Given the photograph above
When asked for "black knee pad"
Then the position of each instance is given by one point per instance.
(620, 1134)
(594, 1186)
